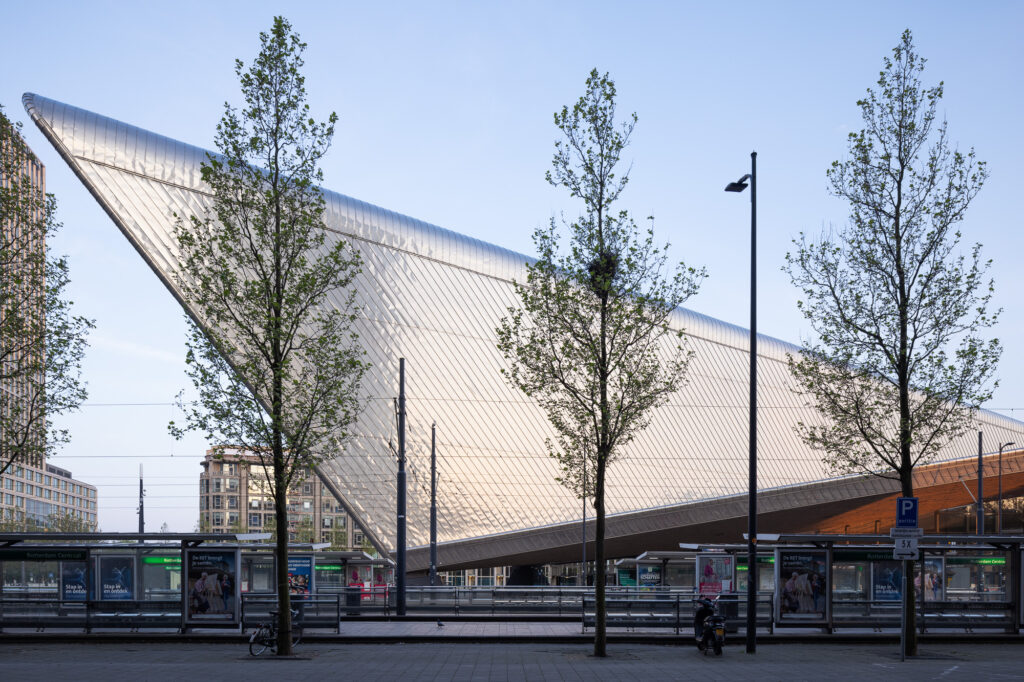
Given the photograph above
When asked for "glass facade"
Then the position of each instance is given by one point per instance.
(435, 297)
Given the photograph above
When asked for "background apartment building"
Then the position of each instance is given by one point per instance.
(234, 498)
(34, 497)
(22, 298)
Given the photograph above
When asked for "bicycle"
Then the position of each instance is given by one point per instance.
(265, 636)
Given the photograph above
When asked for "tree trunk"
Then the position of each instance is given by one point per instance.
(600, 625)
(909, 571)
(284, 622)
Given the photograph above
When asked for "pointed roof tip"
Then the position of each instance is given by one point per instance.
(28, 100)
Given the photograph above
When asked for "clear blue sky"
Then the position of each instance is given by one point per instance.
(446, 115)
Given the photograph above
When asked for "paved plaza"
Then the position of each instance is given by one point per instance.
(491, 661)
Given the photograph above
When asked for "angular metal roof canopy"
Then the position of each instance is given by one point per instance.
(435, 297)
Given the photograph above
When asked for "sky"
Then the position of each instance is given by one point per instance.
(445, 114)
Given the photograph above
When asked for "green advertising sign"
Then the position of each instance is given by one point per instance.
(626, 577)
(978, 560)
(741, 563)
(163, 560)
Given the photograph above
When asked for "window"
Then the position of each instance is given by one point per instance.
(218, 503)
(47, 480)
(232, 518)
(19, 487)
(327, 522)
(218, 519)
(254, 504)
(231, 468)
(307, 488)
(63, 485)
(307, 505)
(254, 520)
(204, 486)
(217, 485)
(357, 538)
(232, 502)
(9, 483)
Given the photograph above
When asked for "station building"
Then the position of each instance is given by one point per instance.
(435, 298)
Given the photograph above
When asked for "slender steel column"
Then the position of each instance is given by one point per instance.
(583, 531)
(433, 505)
(752, 481)
(400, 567)
(739, 186)
(981, 497)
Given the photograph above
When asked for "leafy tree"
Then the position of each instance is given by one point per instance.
(275, 364)
(591, 340)
(66, 522)
(16, 521)
(41, 342)
(899, 366)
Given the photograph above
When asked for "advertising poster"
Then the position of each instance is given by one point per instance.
(714, 574)
(73, 579)
(803, 578)
(116, 578)
(300, 576)
(648, 575)
(626, 577)
(887, 580)
(212, 585)
(930, 581)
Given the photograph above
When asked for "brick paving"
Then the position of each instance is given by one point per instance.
(502, 661)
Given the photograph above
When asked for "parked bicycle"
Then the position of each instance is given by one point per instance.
(265, 636)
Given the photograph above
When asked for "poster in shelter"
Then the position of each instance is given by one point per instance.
(300, 575)
(714, 574)
(929, 582)
(117, 578)
(887, 580)
(212, 585)
(648, 575)
(803, 583)
(73, 580)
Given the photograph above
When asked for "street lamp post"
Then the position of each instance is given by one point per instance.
(739, 186)
(999, 517)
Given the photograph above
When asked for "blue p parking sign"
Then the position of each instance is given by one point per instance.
(906, 512)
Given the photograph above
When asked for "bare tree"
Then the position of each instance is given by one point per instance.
(899, 365)
(588, 341)
(276, 364)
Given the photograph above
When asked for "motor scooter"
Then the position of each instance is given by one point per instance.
(709, 626)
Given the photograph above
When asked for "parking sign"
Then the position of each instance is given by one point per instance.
(906, 512)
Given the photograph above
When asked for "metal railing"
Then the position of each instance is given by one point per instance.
(629, 608)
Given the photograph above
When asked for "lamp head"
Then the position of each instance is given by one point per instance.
(739, 185)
